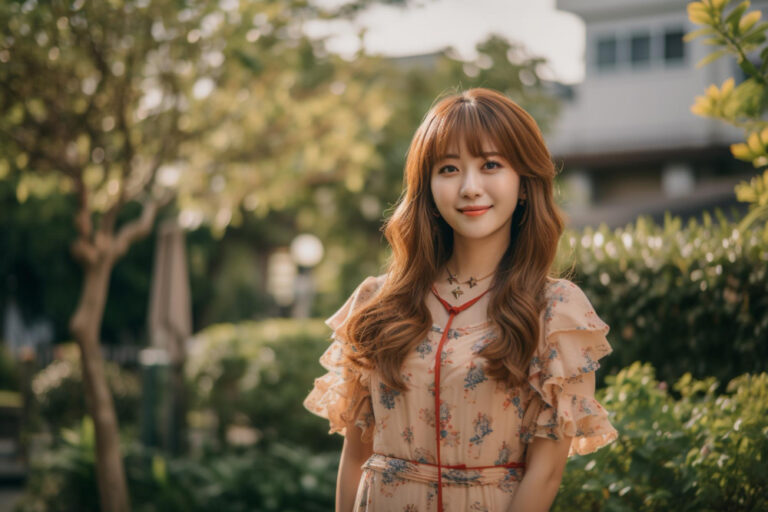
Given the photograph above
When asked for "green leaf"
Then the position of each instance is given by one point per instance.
(714, 41)
(764, 59)
(760, 28)
(712, 57)
(753, 40)
(690, 36)
(735, 15)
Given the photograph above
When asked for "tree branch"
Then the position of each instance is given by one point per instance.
(140, 227)
(83, 248)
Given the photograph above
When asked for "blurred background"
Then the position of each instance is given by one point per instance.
(188, 188)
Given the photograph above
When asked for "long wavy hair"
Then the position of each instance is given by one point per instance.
(384, 331)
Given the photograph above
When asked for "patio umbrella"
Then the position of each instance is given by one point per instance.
(170, 323)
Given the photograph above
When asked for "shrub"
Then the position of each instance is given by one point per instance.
(268, 478)
(59, 394)
(688, 298)
(9, 373)
(262, 371)
(703, 452)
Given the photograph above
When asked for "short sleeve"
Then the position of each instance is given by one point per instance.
(342, 395)
(573, 340)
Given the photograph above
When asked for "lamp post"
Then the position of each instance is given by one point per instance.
(306, 251)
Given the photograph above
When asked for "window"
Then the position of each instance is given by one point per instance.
(673, 45)
(640, 49)
(606, 52)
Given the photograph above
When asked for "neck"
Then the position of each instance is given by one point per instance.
(476, 258)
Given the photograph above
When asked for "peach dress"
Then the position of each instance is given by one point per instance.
(485, 426)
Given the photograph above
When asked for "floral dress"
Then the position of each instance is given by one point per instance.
(483, 423)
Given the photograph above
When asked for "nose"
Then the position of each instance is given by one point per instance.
(470, 186)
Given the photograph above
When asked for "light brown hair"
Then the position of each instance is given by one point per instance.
(385, 330)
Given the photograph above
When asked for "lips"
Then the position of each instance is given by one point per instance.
(473, 208)
(474, 211)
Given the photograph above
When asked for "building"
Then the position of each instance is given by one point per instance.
(626, 137)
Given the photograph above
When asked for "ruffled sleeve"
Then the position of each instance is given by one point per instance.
(573, 340)
(342, 395)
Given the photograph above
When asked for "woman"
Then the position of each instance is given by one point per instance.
(464, 377)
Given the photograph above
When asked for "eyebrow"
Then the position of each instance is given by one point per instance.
(484, 153)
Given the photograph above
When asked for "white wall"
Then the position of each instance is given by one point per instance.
(639, 108)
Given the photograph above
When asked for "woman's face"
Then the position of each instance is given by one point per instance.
(459, 180)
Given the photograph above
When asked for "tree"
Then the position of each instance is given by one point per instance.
(738, 33)
(190, 103)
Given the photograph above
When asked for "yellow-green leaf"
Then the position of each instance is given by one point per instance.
(690, 36)
(701, 107)
(711, 57)
(749, 20)
(727, 87)
(741, 151)
(735, 15)
(755, 144)
(764, 135)
(698, 13)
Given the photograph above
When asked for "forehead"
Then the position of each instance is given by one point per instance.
(459, 146)
(463, 131)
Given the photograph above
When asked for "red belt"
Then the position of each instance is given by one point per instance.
(460, 466)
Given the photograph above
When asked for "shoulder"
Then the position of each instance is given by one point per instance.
(363, 293)
(369, 287)
(569, 308)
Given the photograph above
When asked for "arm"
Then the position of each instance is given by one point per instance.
(545, 462)
(353, 455)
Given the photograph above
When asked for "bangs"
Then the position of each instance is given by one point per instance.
(474, 123)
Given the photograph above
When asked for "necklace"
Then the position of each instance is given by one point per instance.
(472, 282)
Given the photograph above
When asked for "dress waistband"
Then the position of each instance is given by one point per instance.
(393, 468)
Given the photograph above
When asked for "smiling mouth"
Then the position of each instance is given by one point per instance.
(474, 211)
(474, 208)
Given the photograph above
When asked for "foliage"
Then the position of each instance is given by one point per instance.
(9, 373)
(683, 297)
(702, 288)
(343, 207)
(256, 374)
(738, 33)
(59, 393)
(703, 452)
(276, 477)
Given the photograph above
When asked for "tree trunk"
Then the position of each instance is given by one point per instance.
(85, 326)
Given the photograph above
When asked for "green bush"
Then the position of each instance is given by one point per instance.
(9, 373)
(704, 452)
(261, 372)
(688, 298)
(271, 478)
(59, 395)
(701, 453)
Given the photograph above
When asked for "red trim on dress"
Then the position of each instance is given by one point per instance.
(452, 311)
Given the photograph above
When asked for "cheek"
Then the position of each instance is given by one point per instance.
(440, 193)
(508, 186)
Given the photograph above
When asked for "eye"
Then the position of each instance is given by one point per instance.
(493, 165)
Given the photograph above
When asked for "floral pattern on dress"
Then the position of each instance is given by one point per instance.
(482, 422)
